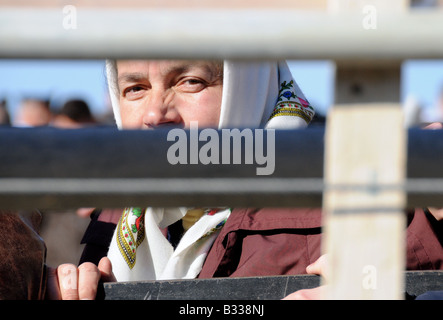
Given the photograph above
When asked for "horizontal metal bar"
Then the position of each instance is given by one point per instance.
(52, 168)
(53, 193)
(110, 153)
(218, 33)
(249, 288)
(73, 193)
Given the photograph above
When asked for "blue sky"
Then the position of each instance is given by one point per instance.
(60, 80)
(424, 80)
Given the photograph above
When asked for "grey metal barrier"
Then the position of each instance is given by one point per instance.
(54, 168)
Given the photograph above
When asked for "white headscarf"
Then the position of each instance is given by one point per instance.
(255, 95)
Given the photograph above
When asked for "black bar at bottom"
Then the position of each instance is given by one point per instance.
(248, 288)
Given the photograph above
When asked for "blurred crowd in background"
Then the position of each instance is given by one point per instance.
(35, 112)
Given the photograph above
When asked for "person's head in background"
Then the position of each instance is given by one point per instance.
(33, 113)
(73, 114)
(5, 119)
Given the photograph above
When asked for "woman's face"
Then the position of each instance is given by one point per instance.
(156, 93)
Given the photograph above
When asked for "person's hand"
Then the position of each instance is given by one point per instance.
(106, 215)
(319, 267)
(84, 212)
(434, 125)
(67, 282)
(436, 212)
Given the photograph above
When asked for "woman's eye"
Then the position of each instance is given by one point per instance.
(192, 85)
(133, 92)
(193, 81)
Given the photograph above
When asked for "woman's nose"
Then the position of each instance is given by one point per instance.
(160, 110)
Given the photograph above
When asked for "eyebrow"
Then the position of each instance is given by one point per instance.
(131, 77)
(175, 70)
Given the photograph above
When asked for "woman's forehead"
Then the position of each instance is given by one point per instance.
(168, 66)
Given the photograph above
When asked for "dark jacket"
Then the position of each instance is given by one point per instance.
(22, 256)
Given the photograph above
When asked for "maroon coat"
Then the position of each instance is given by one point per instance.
(276, 241)
(253, 242)
(424, 242)
(260, 242)
(263, 242)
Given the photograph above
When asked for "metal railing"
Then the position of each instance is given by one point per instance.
(218, 33)
(54, 169)
(108, 168)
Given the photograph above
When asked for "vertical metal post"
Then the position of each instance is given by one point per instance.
(365, 152)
